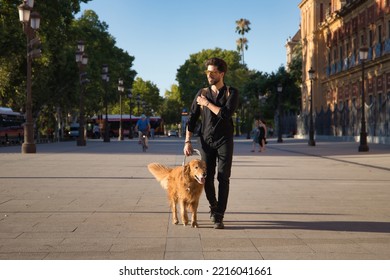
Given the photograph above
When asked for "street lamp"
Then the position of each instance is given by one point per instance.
(31, 22)
(121, 89)
(279, 89)
(130, 95)
(363, 147)
(237, 124)
(262, 100)
(248, 122)
(143, 106)
(106, 79)
(311, 128)
(138, 101)
(82, 60)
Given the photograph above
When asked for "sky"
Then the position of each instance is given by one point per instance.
(162, 34)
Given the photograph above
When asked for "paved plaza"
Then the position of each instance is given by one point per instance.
(100, 202)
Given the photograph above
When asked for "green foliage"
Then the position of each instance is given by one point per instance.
(295, 65)
(242, 27)
(101, 49)
(172, 106)
(146, 97)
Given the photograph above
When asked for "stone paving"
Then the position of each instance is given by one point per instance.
(100, 202)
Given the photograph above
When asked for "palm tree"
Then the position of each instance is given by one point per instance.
(242, 28)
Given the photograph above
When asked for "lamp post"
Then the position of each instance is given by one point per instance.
(363, 147)
(311, 128)
(138, 101)
(143, 106)
(106, 78)
(248, 122)
(130, 95)
(82, 60)
(279, 89)
(237, 124)
(262, 99)
(31, 22)
(121, 89)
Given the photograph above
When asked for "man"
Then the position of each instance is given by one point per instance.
(216, 105)
(143, 127)
(96, 131)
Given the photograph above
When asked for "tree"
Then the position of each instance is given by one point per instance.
(56, 19)
(101, 49)
(52, 74)
(242, 43)
(55, 75)
(149, 101)
(172, 106)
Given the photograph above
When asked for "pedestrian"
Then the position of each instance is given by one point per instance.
(262, 135)
(152, 133)
(215, 105)
(270, 131)
(255, 133)
(96, 131)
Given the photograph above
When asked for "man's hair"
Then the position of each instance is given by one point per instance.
(218, 62)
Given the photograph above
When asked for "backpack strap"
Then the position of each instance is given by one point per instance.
(227, 93)
(204, 92)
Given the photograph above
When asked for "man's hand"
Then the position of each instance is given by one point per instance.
(202, 101)
(187, 149)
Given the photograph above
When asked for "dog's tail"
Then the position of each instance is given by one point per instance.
(160, 172)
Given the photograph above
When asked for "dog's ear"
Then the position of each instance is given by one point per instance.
(186, 170)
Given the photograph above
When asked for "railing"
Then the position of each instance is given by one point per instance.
(347, 121)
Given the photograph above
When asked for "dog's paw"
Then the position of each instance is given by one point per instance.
(175, 222)
(194, 224)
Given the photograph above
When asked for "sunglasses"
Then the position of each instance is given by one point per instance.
(208, 72)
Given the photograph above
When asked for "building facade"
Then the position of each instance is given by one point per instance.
(332, 33)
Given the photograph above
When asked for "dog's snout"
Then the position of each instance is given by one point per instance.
(204, 174)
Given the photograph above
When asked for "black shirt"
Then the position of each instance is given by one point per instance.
(215, 129)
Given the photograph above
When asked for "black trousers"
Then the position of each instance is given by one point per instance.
(218, 159)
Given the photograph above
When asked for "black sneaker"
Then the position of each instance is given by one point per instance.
(212, 216)
(218, 223)
(213, 209)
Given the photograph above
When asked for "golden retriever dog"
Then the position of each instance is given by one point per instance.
(184, 185)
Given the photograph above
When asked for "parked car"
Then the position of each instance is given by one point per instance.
(74, 130)
(173, 133)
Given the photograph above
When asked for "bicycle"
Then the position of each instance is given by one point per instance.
(143, 142)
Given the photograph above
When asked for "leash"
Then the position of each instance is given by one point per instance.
(193, 151)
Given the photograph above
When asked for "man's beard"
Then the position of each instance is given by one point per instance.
(213, 81)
